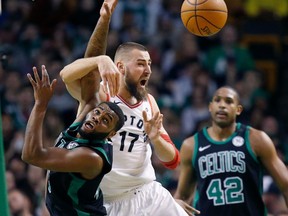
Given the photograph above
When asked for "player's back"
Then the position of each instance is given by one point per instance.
(229, 175)
(131, 166)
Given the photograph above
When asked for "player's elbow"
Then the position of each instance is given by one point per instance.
(27, 158)
(30, 157)
(63, 75)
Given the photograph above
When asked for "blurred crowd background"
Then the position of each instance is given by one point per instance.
(249, 54)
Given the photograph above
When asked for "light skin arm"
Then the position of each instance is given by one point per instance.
(82, 83)
(265, 149)
(98, 41)
(187, 182)
(92, 68)
(97, 46)
(52, 158)
(154, 128)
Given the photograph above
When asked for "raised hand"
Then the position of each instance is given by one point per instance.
(43, 89)
(107, 8)
(110, 76)
(152, 126)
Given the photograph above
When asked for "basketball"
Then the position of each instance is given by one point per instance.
(204, 17)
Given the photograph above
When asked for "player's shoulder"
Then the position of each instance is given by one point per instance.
(260, 141)
(187, 148)
(151, 98)
(188, 143)
(256, 134)
(153, 103)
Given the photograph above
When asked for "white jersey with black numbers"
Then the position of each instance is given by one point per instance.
(131, 166)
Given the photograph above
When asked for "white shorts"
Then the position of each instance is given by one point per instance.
(148, 200)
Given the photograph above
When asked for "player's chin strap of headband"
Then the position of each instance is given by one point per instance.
(176, 160)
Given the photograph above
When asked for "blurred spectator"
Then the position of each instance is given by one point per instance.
(171, 123)
(272, 196)
(53, 126)
(86, 13)
(19, 203)
(47, 14)
(63, 103)
(228, 61)
(10, 180)
(195, 111)
(270, 125)
(36, 180)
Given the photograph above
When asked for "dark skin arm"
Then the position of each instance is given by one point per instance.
(187, 182)
(264, 148)
(53, 158)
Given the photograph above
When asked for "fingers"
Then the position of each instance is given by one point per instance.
(36, 76)
(45, 76)
(31, 80)
(106, 7)
(144, 114)
(156, 120)
(111, 84)
(53, 84)
(45, 81)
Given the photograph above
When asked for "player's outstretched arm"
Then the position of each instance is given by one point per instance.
(52, 158)
(265, 149)
(102, 66)
(98, 41)
(43, 91)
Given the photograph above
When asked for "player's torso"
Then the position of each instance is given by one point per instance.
(65, 189)
(229, 176)
(131, 150)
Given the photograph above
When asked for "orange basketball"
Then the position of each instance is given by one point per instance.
(204, 17)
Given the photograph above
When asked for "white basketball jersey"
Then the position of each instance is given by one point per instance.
(131, 166)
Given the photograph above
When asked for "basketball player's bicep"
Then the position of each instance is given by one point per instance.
(186, 155)
(185, 183)
(77, 160)
(267, 153)
(74, 89)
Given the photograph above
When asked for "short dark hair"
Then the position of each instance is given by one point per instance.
(128, 46)
(118, 112)
(232, 89)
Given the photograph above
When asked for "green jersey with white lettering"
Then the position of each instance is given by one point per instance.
(229, 175)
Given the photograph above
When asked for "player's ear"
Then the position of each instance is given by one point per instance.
(239, 109)
(120, 67)
(209, 106)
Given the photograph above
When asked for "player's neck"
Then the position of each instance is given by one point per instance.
(126, 95)
(221, 134)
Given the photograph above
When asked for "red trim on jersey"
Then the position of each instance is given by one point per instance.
(129, 105)
(176, 160)
(107, 97)
(149, 100)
